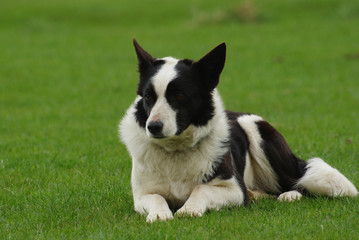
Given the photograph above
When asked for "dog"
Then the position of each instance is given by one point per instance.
(190, 155)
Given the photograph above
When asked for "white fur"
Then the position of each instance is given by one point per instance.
(162, 111)
(155, 206)
(248, 175)
(164, 75)
(214, 195)
(258, 173)
(129, 126)
(290, 196)
(320, 178)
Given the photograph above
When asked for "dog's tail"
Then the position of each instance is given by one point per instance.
(320, 178)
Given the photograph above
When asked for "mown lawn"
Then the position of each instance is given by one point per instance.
(68, 73)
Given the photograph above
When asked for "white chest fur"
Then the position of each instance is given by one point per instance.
(172, 174)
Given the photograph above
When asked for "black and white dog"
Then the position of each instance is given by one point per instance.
(189, 154)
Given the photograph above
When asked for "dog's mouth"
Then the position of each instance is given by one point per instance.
(158, 137)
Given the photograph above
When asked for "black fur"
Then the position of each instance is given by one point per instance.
(193, 103)
(145, 105)
(141, 115)
(286, 165)
(147, 67)
(239, 148)
(233, 162)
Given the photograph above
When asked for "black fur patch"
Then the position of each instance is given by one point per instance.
(224, 170)
(144, 106)
(239, 148)
(233, 162)
(286, 165)
(145, 75)
(239, 142)
(140, 114)
(185, 94)
(149, 98)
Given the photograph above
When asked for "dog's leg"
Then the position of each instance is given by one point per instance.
(213, 195)
(155, 206)
(320, 178)
(255, 195)
(294, 174)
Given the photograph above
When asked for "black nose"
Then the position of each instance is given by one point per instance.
(155, 127)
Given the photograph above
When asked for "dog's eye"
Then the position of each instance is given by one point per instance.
(148, 97)
(178, 96)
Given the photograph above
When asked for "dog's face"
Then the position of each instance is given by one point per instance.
(176, 93)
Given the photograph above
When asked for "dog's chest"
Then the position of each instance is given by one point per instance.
(174, 174)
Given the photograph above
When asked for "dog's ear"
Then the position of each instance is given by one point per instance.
(145, 60)
(211, 65)
(146, 66)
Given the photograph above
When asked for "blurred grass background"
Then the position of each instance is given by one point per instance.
(68, 73)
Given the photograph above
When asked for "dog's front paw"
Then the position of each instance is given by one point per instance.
(190, 210)
(159, 215)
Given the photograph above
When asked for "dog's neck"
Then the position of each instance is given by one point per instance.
(215, 132)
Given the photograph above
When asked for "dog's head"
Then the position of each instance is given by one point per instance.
(175, 94)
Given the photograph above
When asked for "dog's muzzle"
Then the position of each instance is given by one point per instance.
(155, 128)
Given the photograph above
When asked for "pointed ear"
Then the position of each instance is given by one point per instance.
(145, 60)
(211, 65)
(146, 66)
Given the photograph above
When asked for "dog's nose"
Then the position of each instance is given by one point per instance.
(155, 127)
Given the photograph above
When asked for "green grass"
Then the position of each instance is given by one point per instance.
(68, 73)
